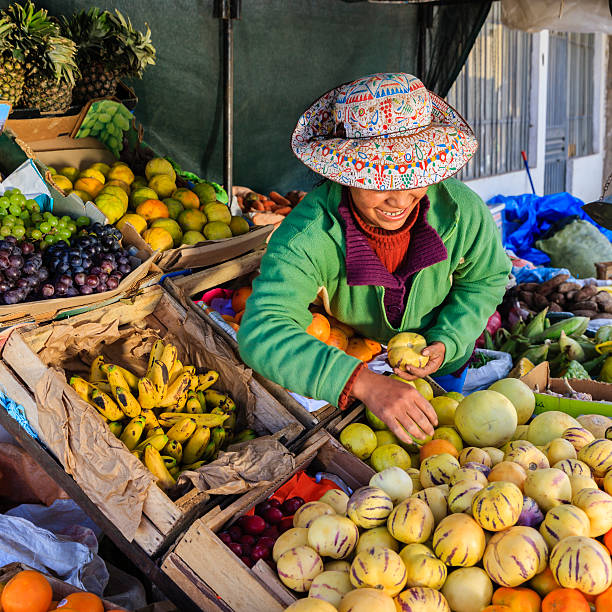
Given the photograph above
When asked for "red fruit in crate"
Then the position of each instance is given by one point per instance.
(273, 515)
(247, 549)
(247, 561)
(260, 552)
(285, 524)
(265, 541)
(261, 507)
(271, 532)
(248, 539)
(274, 503)
(235, 548)
(252, 524)
(292, 505)
(235, 532)
(225, 537)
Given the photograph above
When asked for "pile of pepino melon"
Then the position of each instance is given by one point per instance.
(512, 514)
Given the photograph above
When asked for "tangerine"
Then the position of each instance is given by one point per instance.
(152, 209)
(239, 316)
(239, 298)
(28, 591)
(349, 332)
(373, 346)
(83, 602)
(565, 600)
(437, 447)
(319, 327)
(358, 348)
(338, 338)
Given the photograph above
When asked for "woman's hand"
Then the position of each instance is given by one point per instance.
(436, 352)
(400, 406)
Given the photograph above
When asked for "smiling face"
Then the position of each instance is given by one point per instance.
(386, 209)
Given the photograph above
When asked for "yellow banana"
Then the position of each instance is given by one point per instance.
(155, 464)
(147, 395)
(182, 430)
(170, 462)
(82, 387)
(189, 369)
(175, 471)
(173, 449)
(174, 408)
(130, 379)
(176, 370)
(169, 419)
(151, 422)
(156, 431)
(215, 399)
(106, 406)
(176, 390)
(103, 386)
(96, 374)
(192, 467)
(193, 385)
(133, 432)
(169, 356)
(116, 428)
(157, 441)
(156, 353)
(193, 404)
(219, 436)
(127, 402)
(137, 454)
(195, 447)
(158, 375)
(209, 451)
(207, 380)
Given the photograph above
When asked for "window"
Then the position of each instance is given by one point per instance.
(492, 93)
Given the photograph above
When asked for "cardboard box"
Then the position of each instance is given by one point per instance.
(21, 371)
(60, 588)
(219, 580)
(236, 272)
(539, 379)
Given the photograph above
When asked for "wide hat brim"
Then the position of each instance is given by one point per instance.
(398, 161)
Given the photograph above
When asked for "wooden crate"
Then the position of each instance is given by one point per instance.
(163, 519)
(60, 588)
(233, 274)
(201, 564)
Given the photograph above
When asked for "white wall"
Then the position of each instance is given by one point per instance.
(584, 174)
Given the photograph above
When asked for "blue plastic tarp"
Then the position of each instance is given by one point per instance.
(527, 217)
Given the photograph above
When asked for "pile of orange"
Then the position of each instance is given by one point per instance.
(335, 333)
(30, 591)
(239, 298)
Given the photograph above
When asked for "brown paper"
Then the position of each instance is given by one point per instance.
(109, 475)
(251, 464)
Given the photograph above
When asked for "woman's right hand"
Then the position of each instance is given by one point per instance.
(399, 405)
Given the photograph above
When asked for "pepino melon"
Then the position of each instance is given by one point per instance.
(333, 536)
(548, 426)
(330, 586)
(598, 507)
(498, 506)
(292, 538)
(560, 449)
(310, 605)
(307, 513)
(424, 571)
(578, 437)
(468, 474)
(527, 456)
(474, 454)
(411, 521)
(515, 555)
(549, 488)
(337, 499)
(581, 563)
(435, 498)
(395, 482)
(367, 600)
(459, 541)
(486, 418)
(379, 536)
(378, 568)
(298, 567)
(369, 507)
(468, 589)
(564, 521)
(461, 495)
(438, 469)
(421, 599)
(598, 456)
(573, 467)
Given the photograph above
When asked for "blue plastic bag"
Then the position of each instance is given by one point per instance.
(527, 217)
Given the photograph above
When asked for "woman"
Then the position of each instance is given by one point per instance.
(388, 243)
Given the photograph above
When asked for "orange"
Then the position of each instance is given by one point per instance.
(89, 185)
(565, 600)
(28, 591)
(518, 599)
(373, 346)
(122, 173)
(228, 318)
(239, 298)
(187, 198)
(234, 326)
(239, 316)
(544, 582)
(319, 327)
(53, 605)
(83, 602)
(437, 447)
(603, 601)
(158, 238)
(337, 338)
(349, 332)
(358, 348)
(152, 209)
(607, 540)
(496, 608)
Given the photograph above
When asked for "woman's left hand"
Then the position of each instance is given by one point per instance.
(436, 352)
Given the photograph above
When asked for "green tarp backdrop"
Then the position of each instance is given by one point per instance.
(287, 53)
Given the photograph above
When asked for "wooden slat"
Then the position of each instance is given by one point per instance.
(191, 584)
(269, 578)
(161, 510)
(23, 361)
(223, 572)
(148, 537)
(14, 389)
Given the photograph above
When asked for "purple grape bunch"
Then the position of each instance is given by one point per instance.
(94, 262)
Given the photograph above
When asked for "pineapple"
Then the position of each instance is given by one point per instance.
(50, 66)
(109, 48)
(12, 70)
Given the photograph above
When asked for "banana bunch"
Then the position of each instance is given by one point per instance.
(171, 418)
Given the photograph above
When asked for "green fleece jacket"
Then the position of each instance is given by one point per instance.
(450, 301)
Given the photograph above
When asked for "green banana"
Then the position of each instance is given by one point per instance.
(244, 435)
(536, 326)
(106, 406)
(169, 462)
(218, 435)
(193, 466)
(195, 447)
(173, 449)
(158, 441)
(156, 465)
(116, 427)
(133, 432)
(209, 451)
(175, 471)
